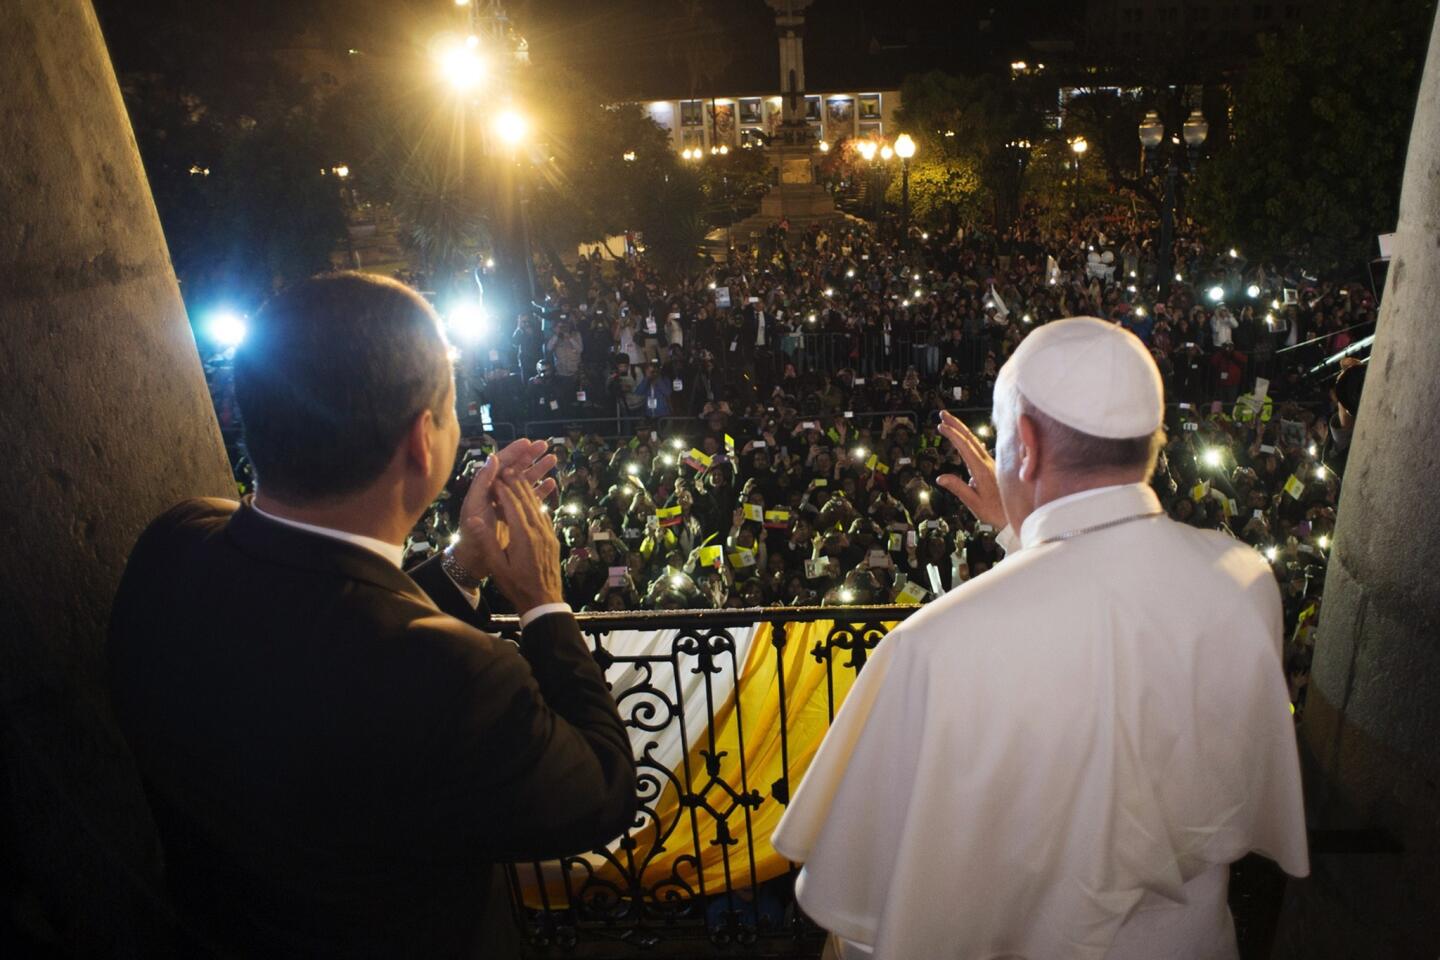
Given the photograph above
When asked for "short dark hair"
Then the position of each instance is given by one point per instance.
(332, 372)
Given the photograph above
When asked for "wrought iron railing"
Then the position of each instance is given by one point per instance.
(696, 875)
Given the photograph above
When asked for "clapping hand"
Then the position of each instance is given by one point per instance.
(531, 465)
(514, 538)
(982, 494)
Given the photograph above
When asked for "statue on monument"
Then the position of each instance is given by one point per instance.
(789, 30)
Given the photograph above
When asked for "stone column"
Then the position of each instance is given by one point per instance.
(789, 29)
(1370, 741)
(106, 422)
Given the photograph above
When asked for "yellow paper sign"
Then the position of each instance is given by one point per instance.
(742, 558)
(710, 556)
(911, 594)
(753, 511)
(1294, 487)
(777, 518)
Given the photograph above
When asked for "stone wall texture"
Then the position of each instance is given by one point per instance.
(1371, 734)
(105, 423)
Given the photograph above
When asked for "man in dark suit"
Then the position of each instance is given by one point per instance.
(336, 754)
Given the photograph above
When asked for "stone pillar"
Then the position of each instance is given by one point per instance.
(1370, 741)
(106, 422)
(790, 30)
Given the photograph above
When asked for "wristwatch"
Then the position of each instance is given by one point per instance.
(463, 578)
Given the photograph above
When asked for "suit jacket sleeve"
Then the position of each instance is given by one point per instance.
(534, 761)
(442, 591)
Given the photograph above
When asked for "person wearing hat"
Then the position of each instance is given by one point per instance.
(1061, 757)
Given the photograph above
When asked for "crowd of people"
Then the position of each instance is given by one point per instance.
(765, 433)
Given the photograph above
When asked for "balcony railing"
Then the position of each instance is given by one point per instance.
(725, 710)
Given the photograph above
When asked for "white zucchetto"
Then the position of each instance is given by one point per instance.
(1092, 376)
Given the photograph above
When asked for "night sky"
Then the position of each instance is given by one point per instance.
(627, 47)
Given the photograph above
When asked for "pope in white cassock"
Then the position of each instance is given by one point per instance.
(1059, 759)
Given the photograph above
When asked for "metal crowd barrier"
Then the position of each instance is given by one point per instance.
(739, 427)
(865, 353)
(614, 902)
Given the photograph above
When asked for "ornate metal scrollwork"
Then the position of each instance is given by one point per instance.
(857, 638)
(650, 887)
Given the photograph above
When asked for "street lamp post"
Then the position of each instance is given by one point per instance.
(867, 150)
(1078, 146)
(489, 56)
(904, 149)
(1152, 134)
(512, 130)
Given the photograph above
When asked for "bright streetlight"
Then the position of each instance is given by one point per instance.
(468, 322)
(905, 149)
(462, 67)
(226, 328)
(1196, 129)
(1152, 130)
(1079, 145)
(511, 127)
(866, 149)
(824, 146)
(886, 153)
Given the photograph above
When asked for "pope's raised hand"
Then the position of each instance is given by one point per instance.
(982, 494)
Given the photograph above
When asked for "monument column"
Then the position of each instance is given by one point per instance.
(789, 28)
(1370, 740)
(795, 196)
(106, 422)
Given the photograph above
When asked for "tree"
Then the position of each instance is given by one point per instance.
(598, 163)
(1321, 127)
(231, 136)
(1109, 121)
(945, 192)
(672, 222)
(977, 120)
(733, 185)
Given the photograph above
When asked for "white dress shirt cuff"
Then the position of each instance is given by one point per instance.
(535, 613)
(472, 597)
(1007, 539)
